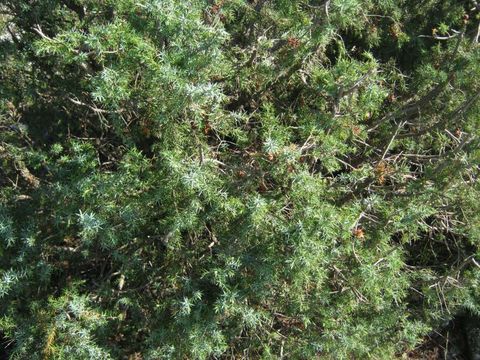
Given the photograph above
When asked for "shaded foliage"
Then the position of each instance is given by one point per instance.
(236, 179)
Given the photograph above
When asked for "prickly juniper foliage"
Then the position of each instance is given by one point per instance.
(226, 179)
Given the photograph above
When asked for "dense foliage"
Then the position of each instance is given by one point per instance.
(193, 179)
